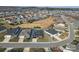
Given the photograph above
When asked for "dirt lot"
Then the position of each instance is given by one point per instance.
(45, 23)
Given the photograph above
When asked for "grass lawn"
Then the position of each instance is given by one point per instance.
(43, 40)
(2, 49)
(2, 21)
(16, 50)
(37, 50)
(14, 39)
(2, 36)
(27, 40)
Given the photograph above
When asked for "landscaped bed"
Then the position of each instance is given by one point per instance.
(56, 49)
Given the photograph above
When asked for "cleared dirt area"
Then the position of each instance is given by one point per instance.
(45, 23)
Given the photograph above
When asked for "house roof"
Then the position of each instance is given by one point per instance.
(52, 31)
(2, 28)
(36, 33)
(14, 31)
(25, 32)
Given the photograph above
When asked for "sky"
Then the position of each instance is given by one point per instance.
(39, 3)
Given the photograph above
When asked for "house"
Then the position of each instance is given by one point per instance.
(14, 32)
(36, 33)
(2, 29)
(26, 33)
(52, 31)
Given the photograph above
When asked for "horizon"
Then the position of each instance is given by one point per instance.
(45, 6)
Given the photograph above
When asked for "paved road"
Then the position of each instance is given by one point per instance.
(33, 44)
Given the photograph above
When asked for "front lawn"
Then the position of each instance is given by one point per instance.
(43, 40)
(14, 39)
(37, 50)
(27, 40)
(2, 36)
